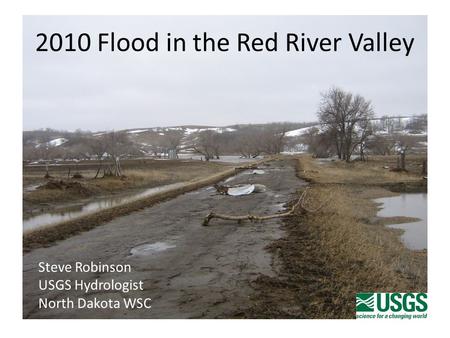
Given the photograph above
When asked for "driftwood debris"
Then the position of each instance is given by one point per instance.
(253, 218)
(221, 189)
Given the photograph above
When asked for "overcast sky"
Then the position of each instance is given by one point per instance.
(103, 91)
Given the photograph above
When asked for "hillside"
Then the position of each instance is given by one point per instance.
(244, 140)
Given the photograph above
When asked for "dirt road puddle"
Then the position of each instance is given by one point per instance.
(150, 248)
(55, 217)
(408, 205)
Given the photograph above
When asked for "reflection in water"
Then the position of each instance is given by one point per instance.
(408, 205)
(225, 158)
(60, 216)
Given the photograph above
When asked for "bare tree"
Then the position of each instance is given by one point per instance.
(98, 147)
(247, 142)
(46, 152)
(77, 152)
(171, 140)
(345, 117)
(363, 131)
(387, 123)
(273, 138)
(381, 144)
(418, 124)
(319, 144)
(206, 144)
(403, 144)
(117, 145)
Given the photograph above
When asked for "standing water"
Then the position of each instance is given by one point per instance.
(51, 218)
(408, 205)
(223, 158)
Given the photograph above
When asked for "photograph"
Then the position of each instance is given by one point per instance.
(225, 167)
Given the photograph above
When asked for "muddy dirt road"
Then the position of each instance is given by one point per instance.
(189, 271)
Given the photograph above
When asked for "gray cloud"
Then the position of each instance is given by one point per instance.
(99, 91)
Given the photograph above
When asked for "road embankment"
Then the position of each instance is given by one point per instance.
(48, 235)
(344, 248)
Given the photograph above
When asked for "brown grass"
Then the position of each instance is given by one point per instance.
(372, 172)
(349, 238)
(138, 175)
(329, 256)
(47, 236)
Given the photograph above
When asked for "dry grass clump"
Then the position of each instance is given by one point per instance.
(48, 235)
(137, 177)
(384, 264)
(56, 190)
(194, 174)
(330, 255)
(376, 171)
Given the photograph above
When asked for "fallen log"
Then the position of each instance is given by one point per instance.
(253, 218)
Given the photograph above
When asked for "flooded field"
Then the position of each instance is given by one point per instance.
(188, 270)
(224, 158)
(408, 205)
(55, 217)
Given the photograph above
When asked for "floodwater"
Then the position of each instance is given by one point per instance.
(51, 218)
(210, 272)
(408, 205)
(225, 158)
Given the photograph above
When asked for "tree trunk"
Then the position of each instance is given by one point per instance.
(424, 168)
(47, 175)
(402, 160)
(118, 171)
(99, 169)
(338, 149)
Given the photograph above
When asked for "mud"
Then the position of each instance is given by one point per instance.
(74, 187)
(189, 271)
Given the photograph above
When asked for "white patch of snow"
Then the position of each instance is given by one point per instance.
(57, 141)
(301, 131)
(53, 143)
(137, 131)
(189, 131)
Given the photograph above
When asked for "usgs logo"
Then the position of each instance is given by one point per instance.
(391, 302)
